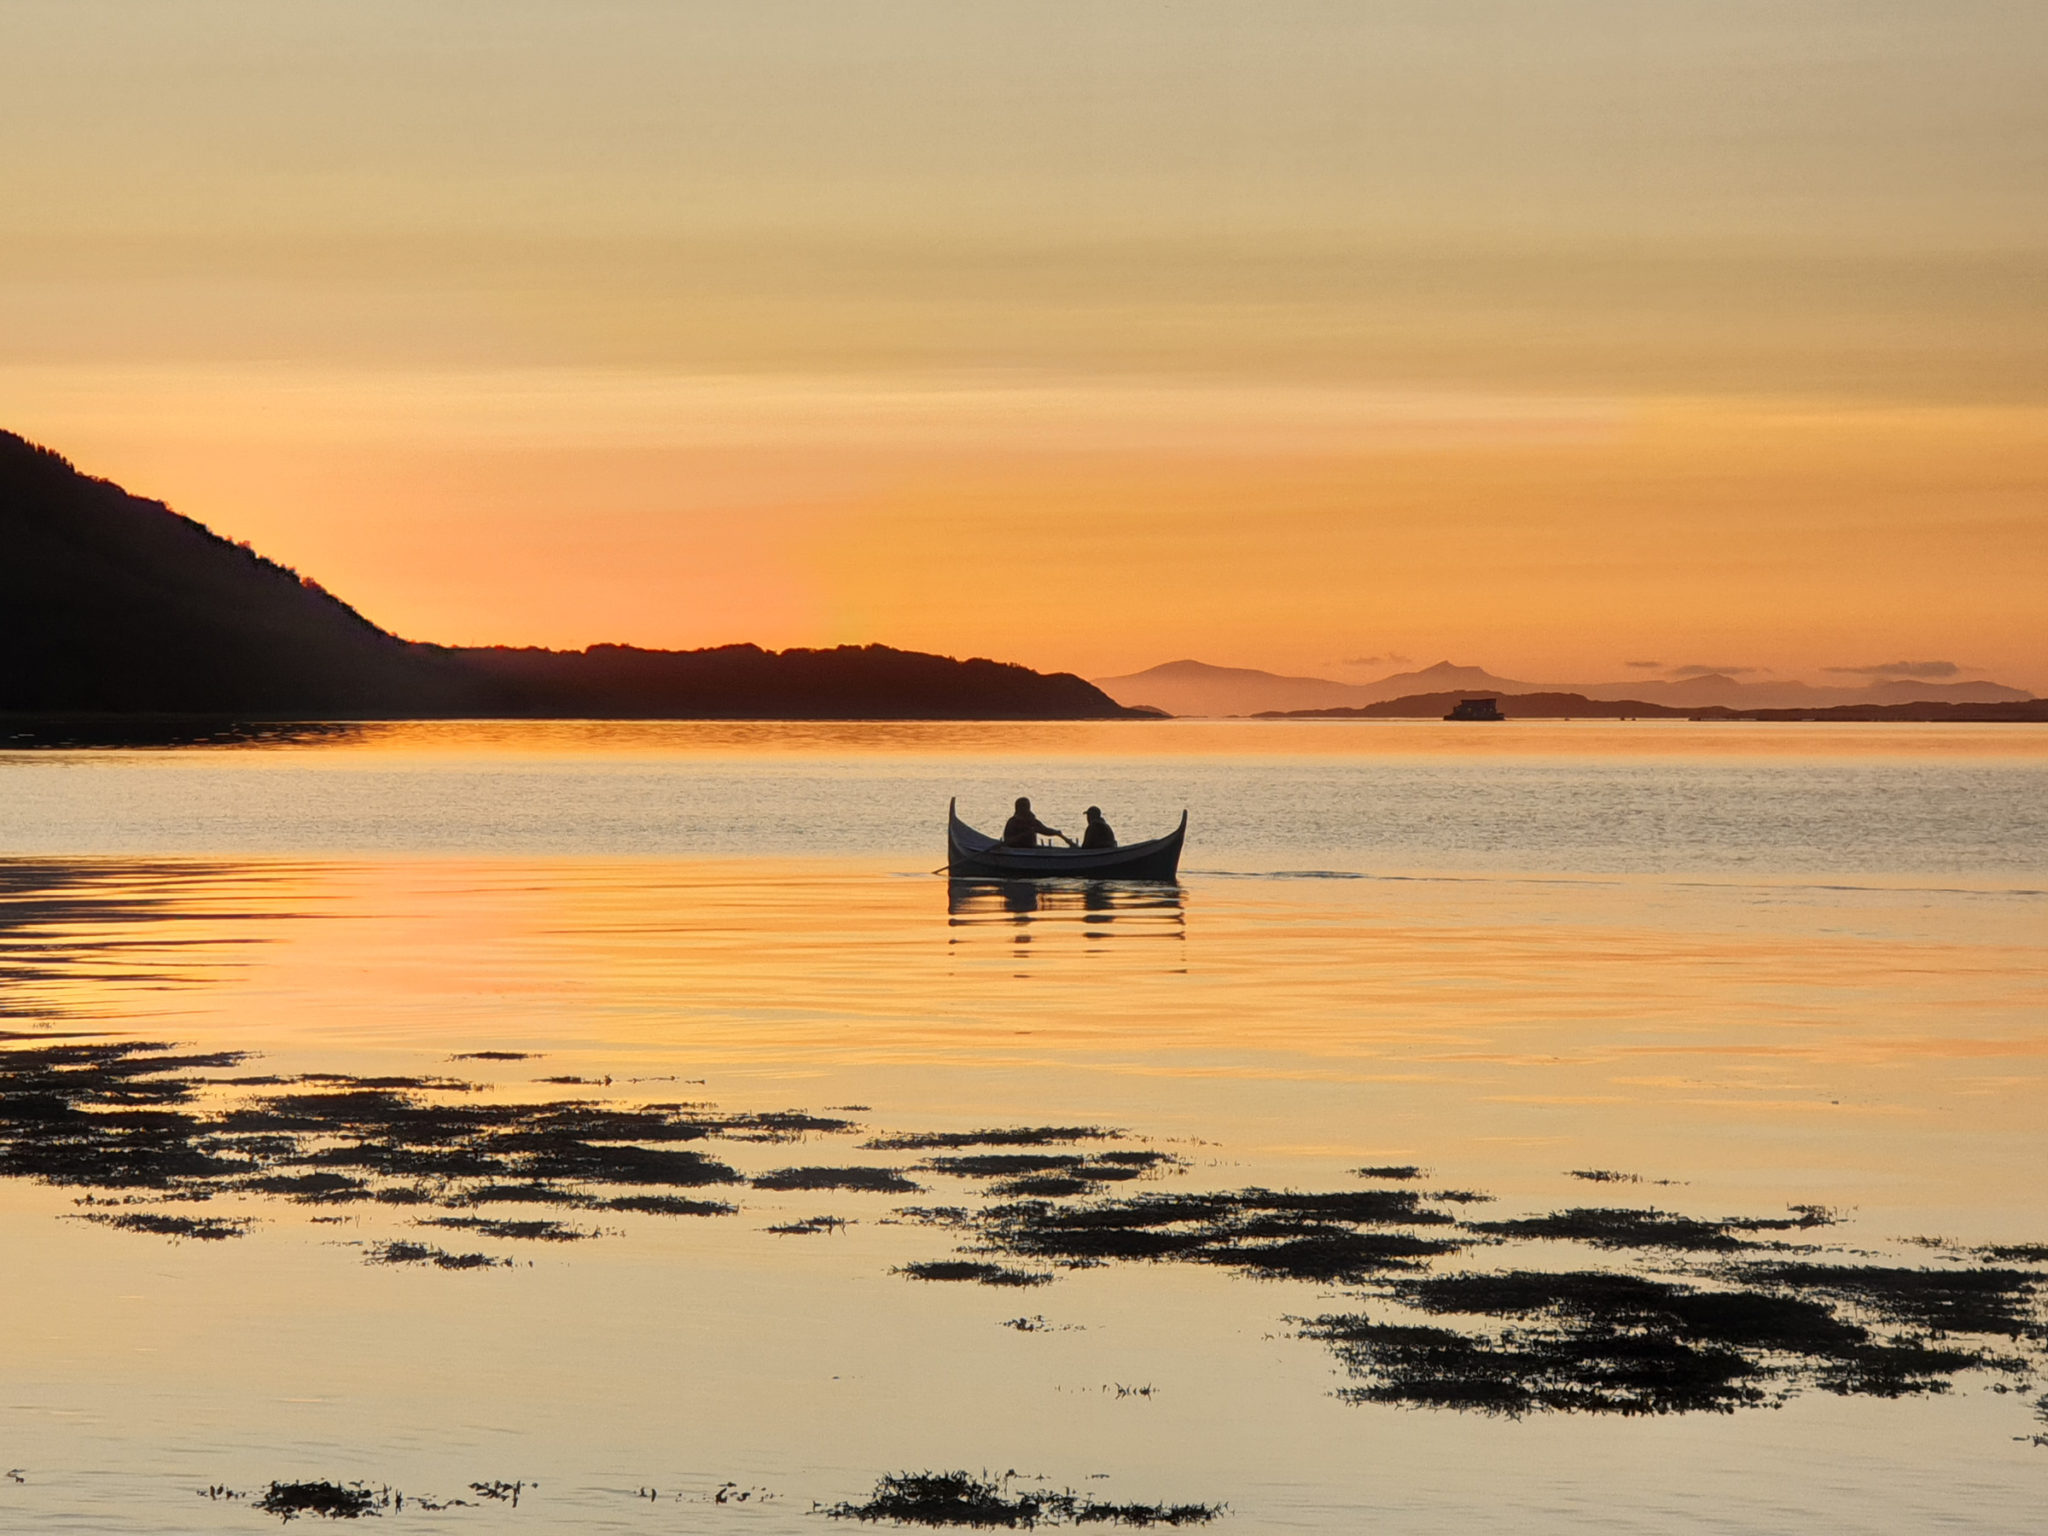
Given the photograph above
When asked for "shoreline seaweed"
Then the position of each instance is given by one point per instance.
(986, 1502)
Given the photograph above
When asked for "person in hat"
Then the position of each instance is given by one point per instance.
(1098, 834)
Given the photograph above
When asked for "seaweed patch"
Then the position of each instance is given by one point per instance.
(139, 1121)
(810, 1226)
(1606, 1342)
(1605, 1227)
(667, 1205)
(986, 1502)
(1734, 1320)
(537, 1231)
(1015, 1136)
(210, 1229)
(887, 1181)
(1280, 1234)
(423, 1253)
(969, 1270)
(331, 1501)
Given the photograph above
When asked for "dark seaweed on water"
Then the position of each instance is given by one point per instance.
(955, 1216)
(422, 1253)
(332, 1501)
(1995, 1302)
(810, 1226)
(540, 1231)
(131, 1116)
(1598, 1341)
(1255, 1231)
(2014, 1253)
(1016, 1136)
(1051, 1175)
(967, 1269)
(886, 1181)
(1735, 1315)
(1728, 1333)
(205, 1228)
(962, 1499)
(1608, 1228)
(1111, 1167)
(666, 1205)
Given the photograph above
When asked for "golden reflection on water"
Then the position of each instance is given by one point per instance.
(1042, 740)
(1862, 1036)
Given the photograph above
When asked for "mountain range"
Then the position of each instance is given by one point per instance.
(113, 605)
(1197, 688)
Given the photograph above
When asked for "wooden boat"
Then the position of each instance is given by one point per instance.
(972, 855)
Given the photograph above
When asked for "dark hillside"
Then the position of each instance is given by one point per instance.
(870, 682)
(113, 605)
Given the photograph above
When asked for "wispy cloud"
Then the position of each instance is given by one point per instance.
(1389, 660)
(1902, 669)
(1648, 666)
(1704, 669)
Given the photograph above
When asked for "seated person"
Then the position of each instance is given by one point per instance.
(1098, 834)
(1023, 830)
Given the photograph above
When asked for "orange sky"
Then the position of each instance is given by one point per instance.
(1545, 334)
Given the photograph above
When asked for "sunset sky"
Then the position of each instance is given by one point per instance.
(1543, 334)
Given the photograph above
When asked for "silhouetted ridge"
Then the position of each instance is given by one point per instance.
(109, 602)
(112, 604)
(743, 681)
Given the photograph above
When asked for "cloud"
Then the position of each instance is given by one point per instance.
(1652, 666)
(1902, 669)
(1703, 669)
(1390, 659)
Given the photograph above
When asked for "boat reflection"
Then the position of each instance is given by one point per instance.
(1101, 909)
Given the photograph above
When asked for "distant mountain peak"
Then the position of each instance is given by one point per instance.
(1190, 687)
(1189, 670)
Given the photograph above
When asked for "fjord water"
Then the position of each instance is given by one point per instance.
(1776, 965)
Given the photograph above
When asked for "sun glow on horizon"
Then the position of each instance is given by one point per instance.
(1542, 336)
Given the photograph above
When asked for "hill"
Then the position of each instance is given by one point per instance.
(1576, 706)
(847, 682)
(111, 604)
(1197, 688)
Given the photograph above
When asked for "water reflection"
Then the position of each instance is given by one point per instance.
(74, 933)
(147, 733)
(1099, 909)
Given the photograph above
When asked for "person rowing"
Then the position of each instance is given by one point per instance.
(1023, 830)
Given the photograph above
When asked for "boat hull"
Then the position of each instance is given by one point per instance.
(972, 855)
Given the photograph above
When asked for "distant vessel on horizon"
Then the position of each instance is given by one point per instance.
(1476, 709)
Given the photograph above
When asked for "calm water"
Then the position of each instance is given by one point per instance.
(1775, 965)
